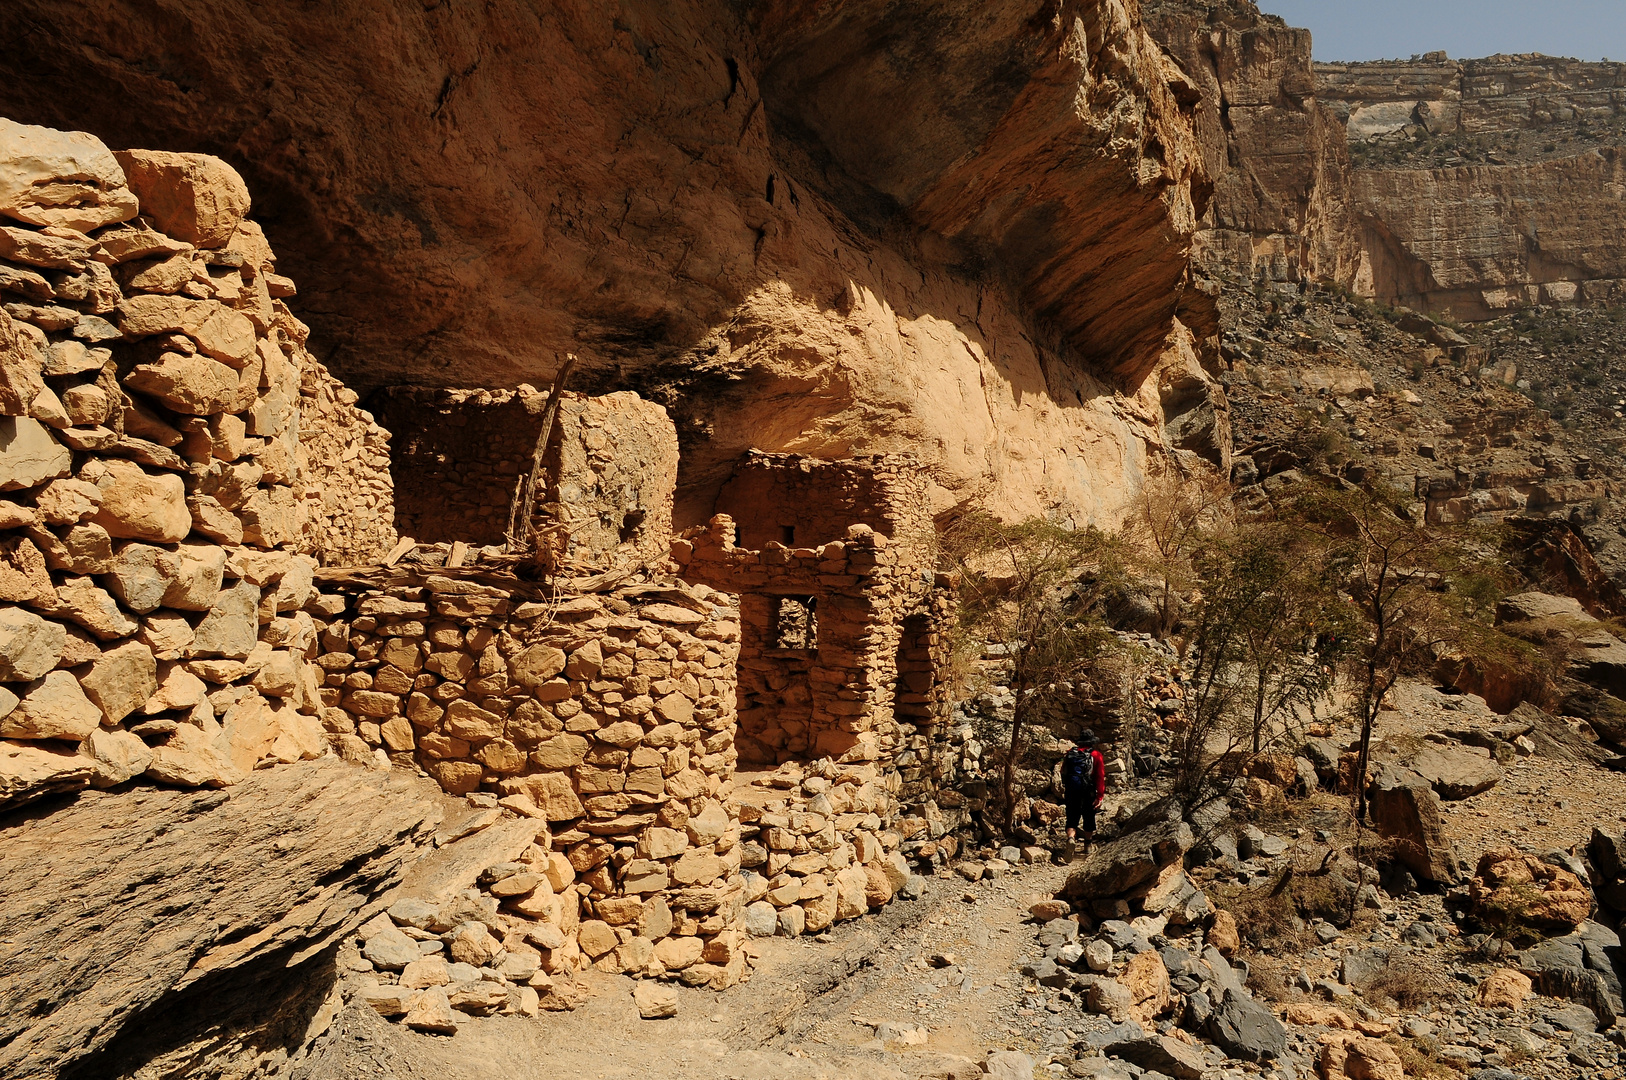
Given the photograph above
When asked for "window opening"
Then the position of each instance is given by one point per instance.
(795, 622)
(787, 535)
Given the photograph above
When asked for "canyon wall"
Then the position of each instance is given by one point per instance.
(1464, 188)
(961, 228)
(1282, 207)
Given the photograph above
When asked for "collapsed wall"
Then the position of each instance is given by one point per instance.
(611, 467)
(163, 509)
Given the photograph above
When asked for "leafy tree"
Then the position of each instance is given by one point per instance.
(1265, 635)
(1019, 587)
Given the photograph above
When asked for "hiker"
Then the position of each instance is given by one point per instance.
(1084, 783)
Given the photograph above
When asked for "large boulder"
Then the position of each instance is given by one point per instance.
(1246, 1029)
(1350, 1056)
(1527, 606)
(64, 178)
(193, 197)
(1169, 1056)
(1404, 809)
(1517, 893)
(1456, 772)
(1134, 859)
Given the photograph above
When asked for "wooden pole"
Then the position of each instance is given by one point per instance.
(519, 539)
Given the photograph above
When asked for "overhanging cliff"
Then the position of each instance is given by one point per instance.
(835, 228)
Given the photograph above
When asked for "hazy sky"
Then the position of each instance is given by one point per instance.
(1391, 29)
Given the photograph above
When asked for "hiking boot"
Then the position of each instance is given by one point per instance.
(1067, 853)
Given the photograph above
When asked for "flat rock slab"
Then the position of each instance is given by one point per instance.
(135, 921)
(448, 870)
(1456, 772)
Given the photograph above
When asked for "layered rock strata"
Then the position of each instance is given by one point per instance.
(161, 514)
(1282, 208)
(768, 221)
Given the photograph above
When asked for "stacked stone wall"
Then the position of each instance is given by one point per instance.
(344, 469)
(156, 556)
(611, 467)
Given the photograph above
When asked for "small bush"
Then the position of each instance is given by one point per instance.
(1407, 985)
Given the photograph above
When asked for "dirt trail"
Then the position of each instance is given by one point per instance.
(812, 1010)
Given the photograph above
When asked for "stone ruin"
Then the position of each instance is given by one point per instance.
(200, 575)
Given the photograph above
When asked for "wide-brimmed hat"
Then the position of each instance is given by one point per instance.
(1087, 738)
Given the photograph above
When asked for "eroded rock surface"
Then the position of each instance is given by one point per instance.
(159, 925)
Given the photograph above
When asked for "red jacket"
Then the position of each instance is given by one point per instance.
(1098, 765)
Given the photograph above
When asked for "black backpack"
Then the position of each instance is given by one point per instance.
(1078, 769)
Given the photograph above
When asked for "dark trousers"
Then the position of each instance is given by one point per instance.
(1081, 810)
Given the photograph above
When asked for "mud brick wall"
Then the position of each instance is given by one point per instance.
(611, 465)
(156, 556)
(609, 717)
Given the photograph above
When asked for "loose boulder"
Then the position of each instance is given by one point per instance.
(1405, 809)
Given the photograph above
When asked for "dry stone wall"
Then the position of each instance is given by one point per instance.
(611, 465)
(156, 552)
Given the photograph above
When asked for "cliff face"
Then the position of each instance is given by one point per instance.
(1490, 184)
(832, 228)
(1281, 206)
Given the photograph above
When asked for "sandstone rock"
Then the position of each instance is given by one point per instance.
(389, 1000)
(1109, 998)
(1505, 989)
(761, 919)
(61, 178)
(192, 197)
(708, 826)
(47, 408)
(53, 707)
(654, 1001)
(29, 645)
(431, 1010)
(231, 627)
(67, 502)
(30, 771)
(82, 549)
(194, 384)
(1147, 981)
(140, 506)
(1519, 891)
(1525, 606)
(28, 454)
(214, 520)
(82, 601)
(118, 756)
(1405, 809)
(20, 382)
(122, 680)
(536, 665)
(1348, 1056)
(1456, 772)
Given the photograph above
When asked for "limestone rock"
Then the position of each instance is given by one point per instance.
(1223, 934)
(53, 707)
(1147, 981)
(231, 628)
(1008, 1065)
(1170, 1056)
(67, 502)
(140, 575)
(338, 838)
(1405, 809)
(62, 178)
(1245, 1029)
(30, 771)
(193, 197)
(29, 645)
(191, 384)
(28, 454)
(118, 756)
(140, 506)
(1130, 860)
(1456, 772)
(199, 572)
(190, 759)
(82, 601)
(20, 381)
(122, 680)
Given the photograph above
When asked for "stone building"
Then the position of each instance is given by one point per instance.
(841, 610)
